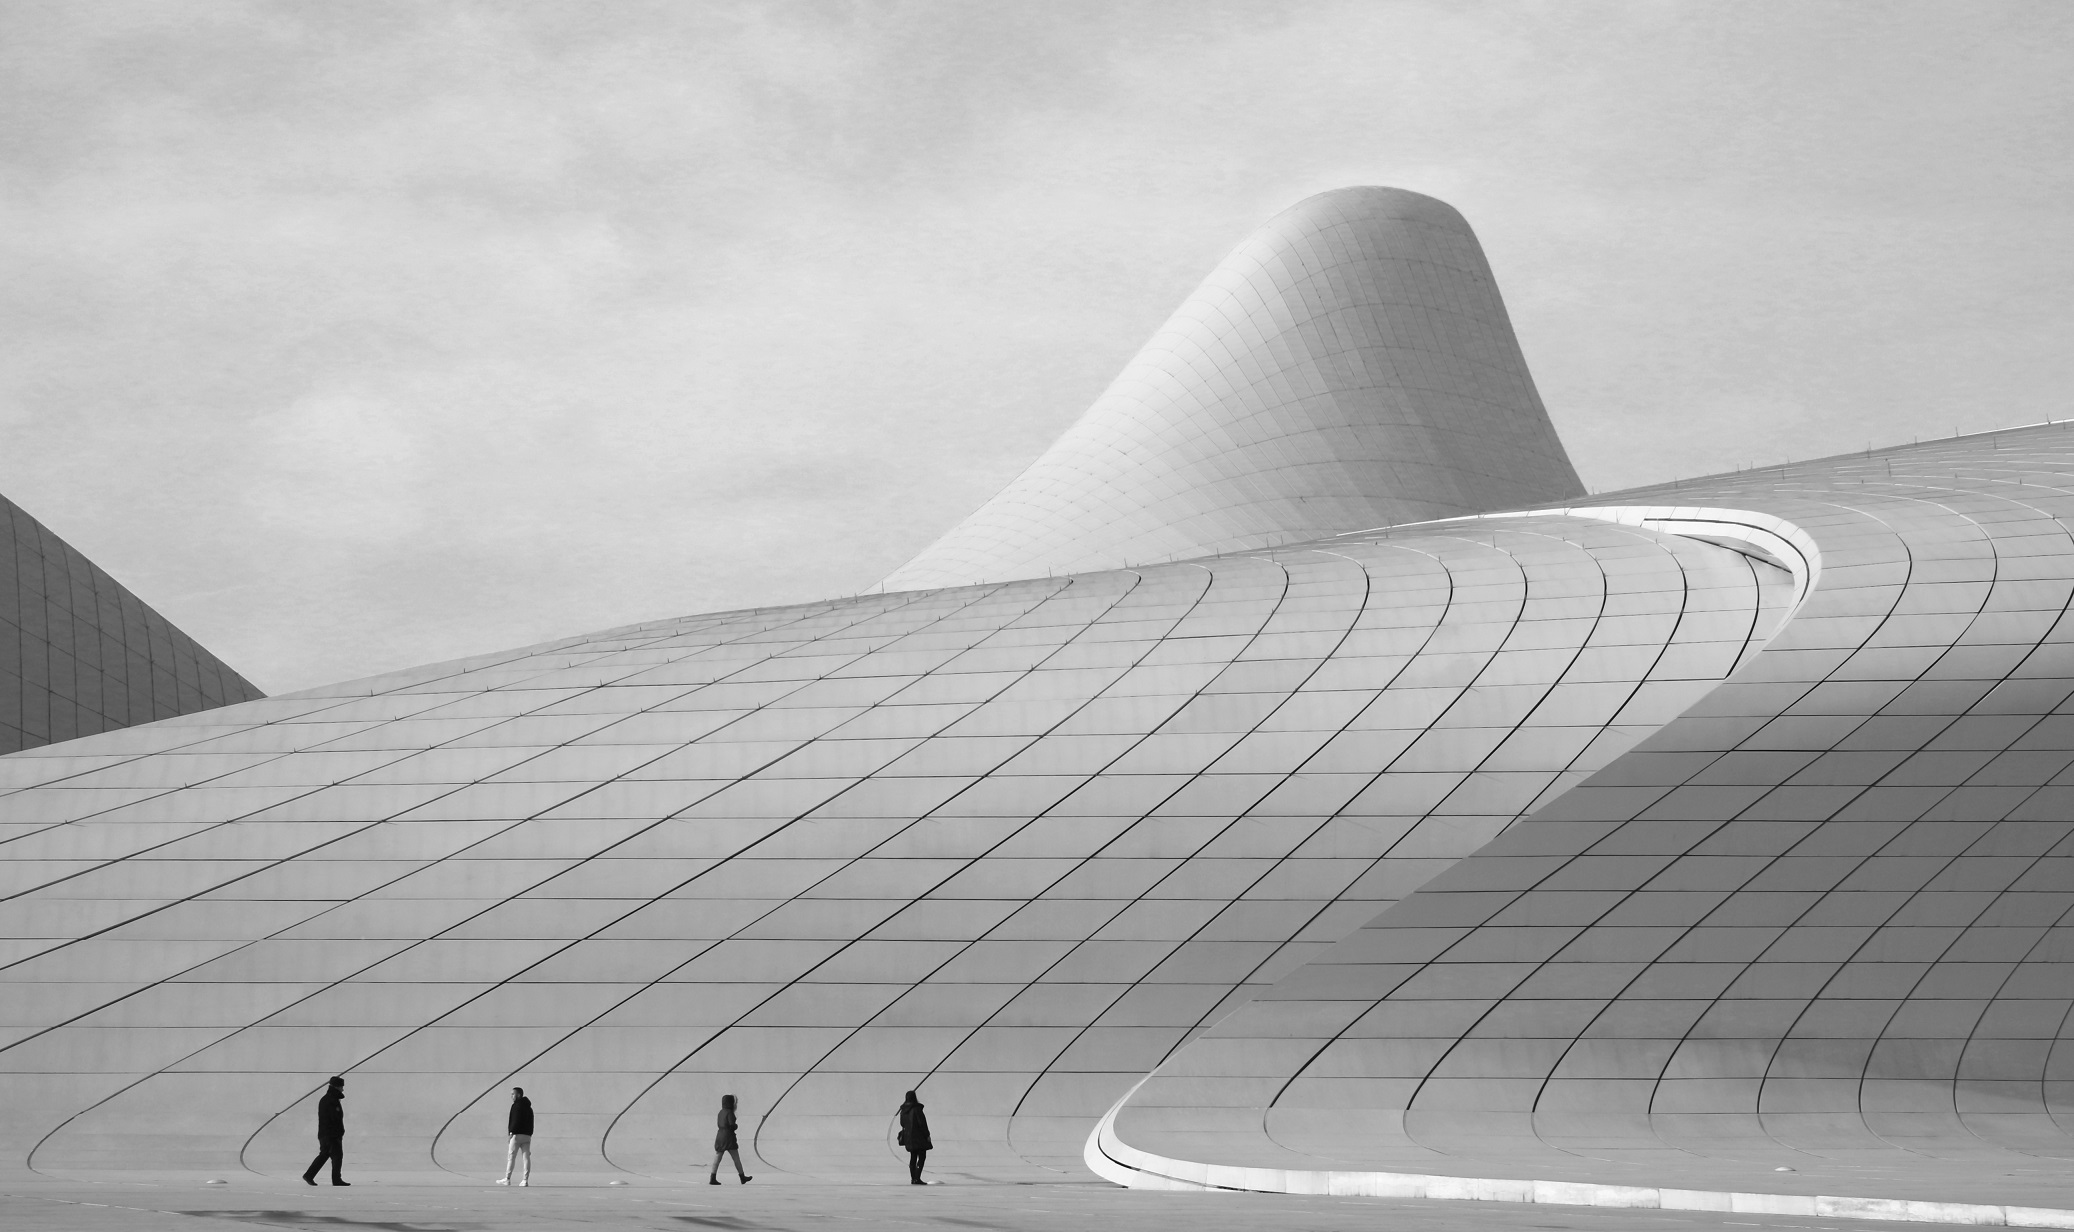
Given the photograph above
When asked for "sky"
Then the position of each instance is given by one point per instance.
(359, 336)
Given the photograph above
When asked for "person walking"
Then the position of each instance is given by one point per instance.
(914, 1135)
(331, 1133)
(724, 1143)
(518, 1126)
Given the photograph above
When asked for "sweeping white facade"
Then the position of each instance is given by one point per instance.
(1185, 814)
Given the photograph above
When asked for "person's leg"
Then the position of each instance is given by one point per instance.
(737, 1157)
(525, 1158)
(510, 1157)
(914, 1166)
(713, 1177)
(331, 1150)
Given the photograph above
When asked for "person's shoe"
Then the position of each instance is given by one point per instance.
(747, 1179)
(525, 1184)
(309, 1180)
(712, 1180)
(342, 1182)
(503, 1181)
(918, 1182)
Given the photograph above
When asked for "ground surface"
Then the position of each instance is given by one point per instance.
(187, 1205)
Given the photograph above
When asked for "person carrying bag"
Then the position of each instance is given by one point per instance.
(914, 1135)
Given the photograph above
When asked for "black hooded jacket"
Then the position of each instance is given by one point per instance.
(914, 1128)
(331, 1114)
(521, 1119)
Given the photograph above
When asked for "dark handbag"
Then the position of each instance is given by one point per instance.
(903, 1138)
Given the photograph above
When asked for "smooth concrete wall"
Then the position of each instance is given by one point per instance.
(1349, 366)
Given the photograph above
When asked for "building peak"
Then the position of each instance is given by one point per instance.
(1349, 365)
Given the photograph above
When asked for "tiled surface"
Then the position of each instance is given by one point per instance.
(1019, 843)
(1007, 844)
(1350, 365)
(80, 654)
(1819, 921)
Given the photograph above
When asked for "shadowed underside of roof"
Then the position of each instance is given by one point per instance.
(1822, 922)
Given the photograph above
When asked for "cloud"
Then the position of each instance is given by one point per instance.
(341, 467)
(357, 336)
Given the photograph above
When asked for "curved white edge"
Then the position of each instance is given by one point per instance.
(1766, 536)
(1116, 1161)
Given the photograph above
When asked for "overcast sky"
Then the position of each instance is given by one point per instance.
(355, 336)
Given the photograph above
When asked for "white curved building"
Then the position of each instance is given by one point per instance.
(1626, 852)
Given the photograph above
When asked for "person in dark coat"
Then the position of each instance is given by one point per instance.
(914, 1135)
(331, 1133)
(724, 1143)
(518, 1127)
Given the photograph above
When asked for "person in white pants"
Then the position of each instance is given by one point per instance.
(518, 1123)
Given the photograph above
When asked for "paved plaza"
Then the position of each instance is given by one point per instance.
(187, 1205)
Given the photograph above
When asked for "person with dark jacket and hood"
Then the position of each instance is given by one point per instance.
(518, 1126)
(724, 1143)
(331, 1133)
(914, 1135)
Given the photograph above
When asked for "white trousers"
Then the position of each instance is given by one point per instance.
(519, 1155)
